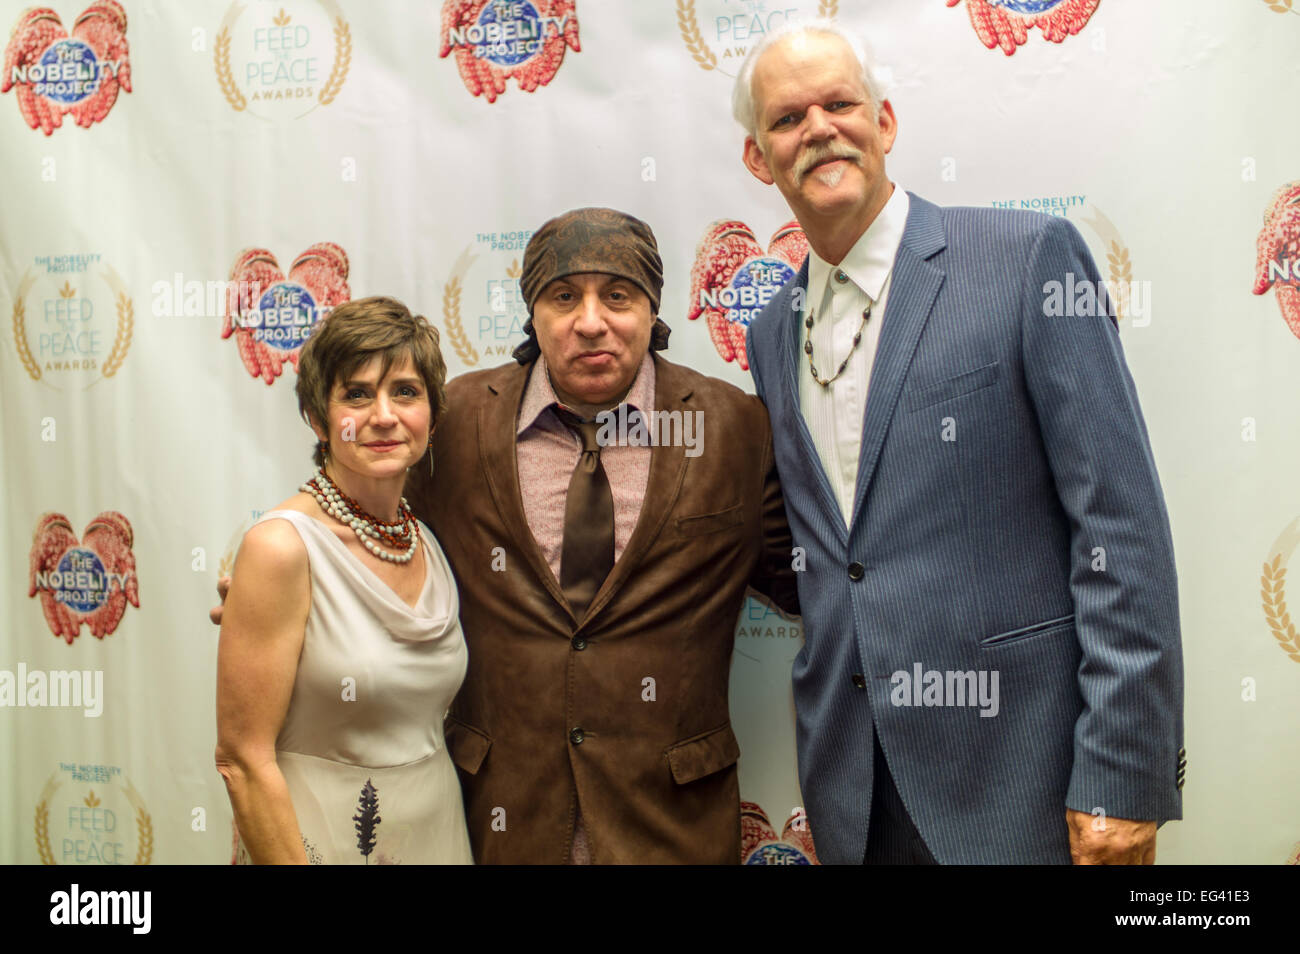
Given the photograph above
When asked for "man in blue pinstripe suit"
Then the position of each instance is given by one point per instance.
(992, 669)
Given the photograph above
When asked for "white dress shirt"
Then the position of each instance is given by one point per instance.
(836, 298)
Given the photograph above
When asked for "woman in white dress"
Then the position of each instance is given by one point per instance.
(341, 646)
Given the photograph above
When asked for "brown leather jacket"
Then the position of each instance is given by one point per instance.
(625, 711)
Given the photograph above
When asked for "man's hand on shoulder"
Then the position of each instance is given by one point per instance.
(1103, 840)
(223, 587)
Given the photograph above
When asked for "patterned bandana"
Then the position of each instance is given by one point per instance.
(592, 240)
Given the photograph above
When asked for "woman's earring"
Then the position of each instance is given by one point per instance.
(430, 455)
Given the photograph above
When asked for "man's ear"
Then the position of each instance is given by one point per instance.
(756, 162)
(887, 123)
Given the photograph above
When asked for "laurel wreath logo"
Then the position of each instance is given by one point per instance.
(121, 340)
(342, 62)
(221, 62)
(688, 25)
(1273, 596)
(122, 335)
(338, 71)
(460, 342)
(1120, 273)
(1120, 270)
(143, 824)
(43, 834)
(20, 340)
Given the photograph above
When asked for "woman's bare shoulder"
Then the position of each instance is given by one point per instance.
(275, 546)
(302, 502)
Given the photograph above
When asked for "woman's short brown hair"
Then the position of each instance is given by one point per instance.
(351, 336)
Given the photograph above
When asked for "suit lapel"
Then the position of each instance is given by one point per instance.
(913, 290)
(790, 344)
(496, 441)
(667, 474)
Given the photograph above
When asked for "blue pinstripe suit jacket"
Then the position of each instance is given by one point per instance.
(981, 552)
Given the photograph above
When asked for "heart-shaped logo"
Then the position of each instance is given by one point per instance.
(760, 844)
(1277, 260)
(272, 316)
(732, 279)
(1006, 23)
(84, 582)
(495, 40)
(57, 74)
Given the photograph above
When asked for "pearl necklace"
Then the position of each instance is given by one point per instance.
(403, 532)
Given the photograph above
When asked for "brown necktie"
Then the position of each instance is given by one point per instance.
(587, 554)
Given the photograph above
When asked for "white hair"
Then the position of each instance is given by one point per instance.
(743, 106)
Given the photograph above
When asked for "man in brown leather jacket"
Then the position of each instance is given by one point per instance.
(601, 576)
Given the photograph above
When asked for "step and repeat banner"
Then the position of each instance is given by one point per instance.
(154, 152)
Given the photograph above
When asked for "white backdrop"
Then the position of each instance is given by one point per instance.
(1163, 129)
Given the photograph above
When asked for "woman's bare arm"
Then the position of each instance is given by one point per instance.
(262, 634)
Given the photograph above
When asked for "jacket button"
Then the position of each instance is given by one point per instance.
(859, 680)
(576, 736)
(579, 643)
(856, 570)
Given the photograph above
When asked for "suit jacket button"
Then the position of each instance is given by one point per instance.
(856, 570)
(579, 643)
(859, 680)
(576, 736)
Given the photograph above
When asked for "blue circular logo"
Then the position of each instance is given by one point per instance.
(285, 316)
(82, 583)
(69, 72)
(777, 853)
(509, 32)
(1027, 7)
(755, 283)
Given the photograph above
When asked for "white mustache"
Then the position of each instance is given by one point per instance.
(821, 154)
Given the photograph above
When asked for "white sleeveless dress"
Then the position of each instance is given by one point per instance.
(362, 747)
